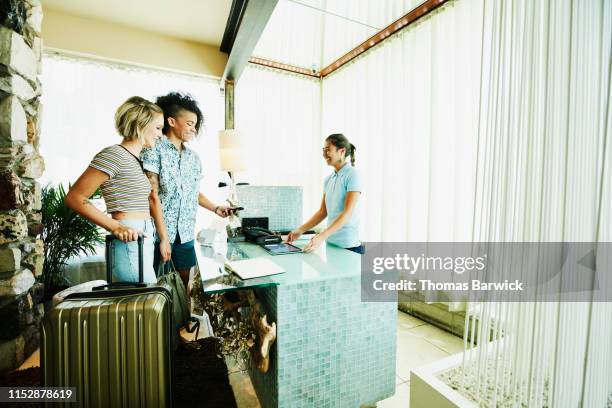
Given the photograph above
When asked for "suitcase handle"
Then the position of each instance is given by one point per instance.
(109, 262)
(106, 292)
(120, 285)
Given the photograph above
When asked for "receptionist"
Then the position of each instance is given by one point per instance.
(341, 192)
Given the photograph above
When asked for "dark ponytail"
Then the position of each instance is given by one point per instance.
(341, 142)
(353, 148)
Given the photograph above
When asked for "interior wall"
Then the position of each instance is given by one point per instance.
(78, 34)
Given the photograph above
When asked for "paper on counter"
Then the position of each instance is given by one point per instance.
(254, 268)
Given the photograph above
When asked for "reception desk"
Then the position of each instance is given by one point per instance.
(332, 349)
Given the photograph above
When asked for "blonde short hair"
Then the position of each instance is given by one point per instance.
(133, 115)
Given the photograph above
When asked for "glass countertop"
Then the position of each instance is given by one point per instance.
(327, 262)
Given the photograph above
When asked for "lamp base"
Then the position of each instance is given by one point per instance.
(234, 228)
(239, 238)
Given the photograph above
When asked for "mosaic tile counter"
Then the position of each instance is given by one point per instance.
(332, 350)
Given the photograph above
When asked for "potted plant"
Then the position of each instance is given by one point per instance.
(65, 234)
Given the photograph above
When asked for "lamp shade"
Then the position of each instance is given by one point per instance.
(232, 156)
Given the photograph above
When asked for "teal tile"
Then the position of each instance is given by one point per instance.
(334, 350)
(281, 204)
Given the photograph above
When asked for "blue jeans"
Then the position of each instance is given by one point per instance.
(125, 254)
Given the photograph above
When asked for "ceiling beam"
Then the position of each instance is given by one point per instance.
(250, 26)
(283, 67)
(231, 27)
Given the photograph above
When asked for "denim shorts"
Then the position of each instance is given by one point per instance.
(125, 254)
(183, 254)
(358, 249)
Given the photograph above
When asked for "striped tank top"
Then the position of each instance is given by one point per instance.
(128, 188)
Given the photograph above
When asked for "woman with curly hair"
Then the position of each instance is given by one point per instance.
(174, 171)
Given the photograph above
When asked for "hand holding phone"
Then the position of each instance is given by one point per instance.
(234, 210)
(224, 211)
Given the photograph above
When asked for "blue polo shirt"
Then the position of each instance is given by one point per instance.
(335, 186)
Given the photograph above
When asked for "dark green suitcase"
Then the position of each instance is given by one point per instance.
(113, 344)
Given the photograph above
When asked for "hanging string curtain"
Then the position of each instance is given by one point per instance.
(543, 175)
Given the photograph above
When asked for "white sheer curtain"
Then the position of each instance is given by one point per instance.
(79, 101)
(410, 106)
(544, 175)
(293, 35)
(280, 114)
(311, 33)
(342, 35)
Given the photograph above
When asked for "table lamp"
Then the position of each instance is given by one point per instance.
(232, 158)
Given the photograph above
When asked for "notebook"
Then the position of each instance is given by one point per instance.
(254, 268)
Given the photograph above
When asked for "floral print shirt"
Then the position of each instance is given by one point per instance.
(179, 185)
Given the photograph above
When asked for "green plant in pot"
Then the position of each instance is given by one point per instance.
(65, 235)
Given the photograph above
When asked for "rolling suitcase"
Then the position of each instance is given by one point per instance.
(113, 344)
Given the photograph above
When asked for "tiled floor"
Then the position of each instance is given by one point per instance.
(32, 361)
(418, 344)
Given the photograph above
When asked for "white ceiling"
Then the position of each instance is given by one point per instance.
(197, 20)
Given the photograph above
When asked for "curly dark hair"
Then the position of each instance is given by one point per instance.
(175, 102)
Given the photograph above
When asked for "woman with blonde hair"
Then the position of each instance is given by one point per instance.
(126, 190)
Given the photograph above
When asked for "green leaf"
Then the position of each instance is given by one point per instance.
(65, 235)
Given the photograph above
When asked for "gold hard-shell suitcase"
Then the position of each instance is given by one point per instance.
(114, 344)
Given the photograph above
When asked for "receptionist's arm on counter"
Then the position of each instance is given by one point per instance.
(349, 205)
(319, 216)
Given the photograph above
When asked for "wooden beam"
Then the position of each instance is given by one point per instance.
(283, 67)
(229, 104)
(417, 13)
(254, 20)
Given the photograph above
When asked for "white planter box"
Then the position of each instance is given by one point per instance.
(428, 391)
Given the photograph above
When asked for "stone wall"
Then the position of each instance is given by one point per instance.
(21, 253)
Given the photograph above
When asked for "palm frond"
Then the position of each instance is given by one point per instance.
(65, 235)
